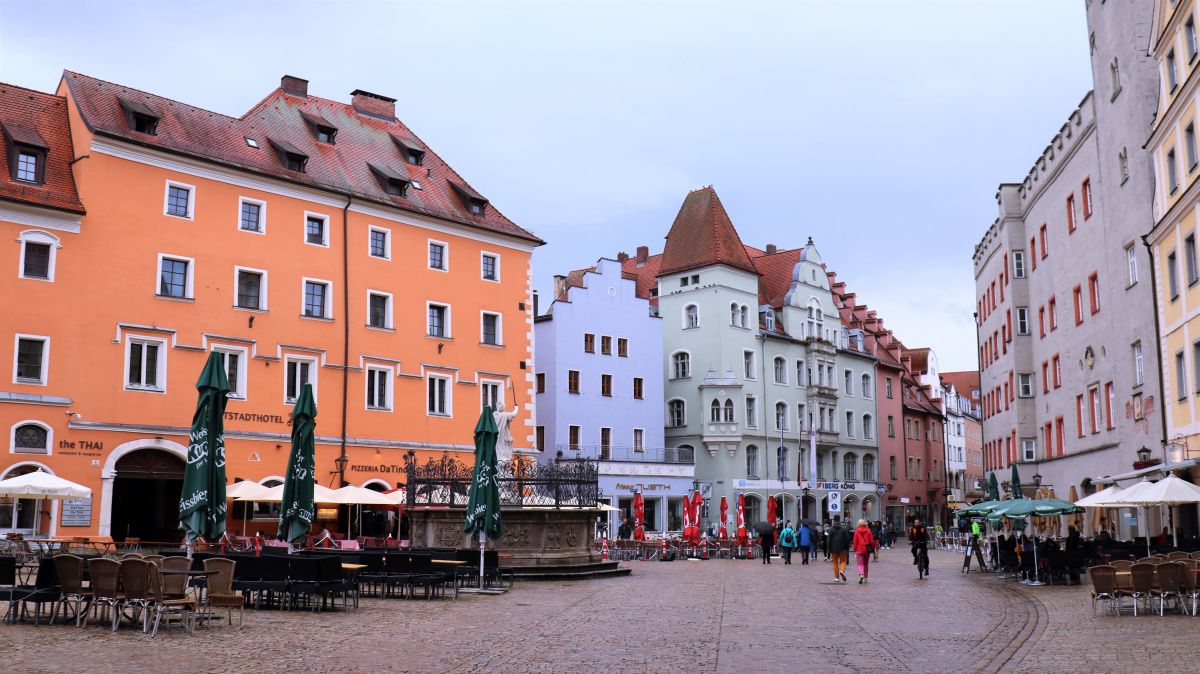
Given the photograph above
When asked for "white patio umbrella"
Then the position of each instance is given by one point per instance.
(1097, 500)
(41, 485)
(1169, 491)
(246, 490)
(275, 495)
(1125, 499)
(360, 496)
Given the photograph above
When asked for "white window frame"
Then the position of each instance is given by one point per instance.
(445, 255)
(313, 364)
(1131, 264)
(782, 423)
(189, 280)
(499, 327)
(239, 387)
(848, 382)
(684, 317)
(1024, 391)
(750, 374)
(448, 398)
(37, 236)
(671, 364)
(638, 437)
(802, 373)
(494, 256)
(328, 313)
(1139, 367)
(12, 438)
(868, 427)
(1028, 449)
(780, 374)
(262, 288)
(850, 424)
(162, 363)
(1022, 320)
(867, 384)
(751, 419)
(45, 367)
(324, 229)
(499, 384)
(369, 381)
(191, 209)
(387, 320)
(387, 248)
(448, 332)
(684, 419)
(262, 216)
(1018, 264)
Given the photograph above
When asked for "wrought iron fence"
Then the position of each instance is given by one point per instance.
(446, 481)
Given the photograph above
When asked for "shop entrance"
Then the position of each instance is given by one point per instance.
(145, 501)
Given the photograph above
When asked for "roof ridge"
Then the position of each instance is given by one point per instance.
(36, 91)
(143, 91)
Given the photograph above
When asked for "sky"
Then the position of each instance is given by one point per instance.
(881, 129)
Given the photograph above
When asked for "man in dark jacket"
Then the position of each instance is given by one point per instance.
(837, 544)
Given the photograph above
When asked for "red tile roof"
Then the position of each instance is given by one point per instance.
(964, 381)
(645, 275)
(776, 270)
(703, 235)
(39, 118)
(342, 167)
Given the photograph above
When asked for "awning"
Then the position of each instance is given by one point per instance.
(1164, 468)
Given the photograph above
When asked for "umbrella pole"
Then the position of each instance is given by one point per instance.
(482, 543)
(1036, 573)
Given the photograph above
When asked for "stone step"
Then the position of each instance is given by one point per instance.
(537, 573)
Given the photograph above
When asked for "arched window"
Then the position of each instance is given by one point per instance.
(735, 314)
(751, 461)
(868, 468)
(780, 370)
(867, 389)
(691, 316)
(745, 317)
(816, 319)
(31, 437)
(729, 411)
(781, 416)
(715, 411)
(781, 462)
(676, 413)
(868, 428)
(849, 466)
(681, 365)
(38, 253)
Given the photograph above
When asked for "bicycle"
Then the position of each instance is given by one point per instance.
(922, 554)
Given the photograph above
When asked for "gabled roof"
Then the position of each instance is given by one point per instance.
(280, 116)
(964, 381)
(703, 235)
(38, 119)
(646, 275)
(776, 270)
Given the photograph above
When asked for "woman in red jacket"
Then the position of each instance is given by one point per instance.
(863, 544)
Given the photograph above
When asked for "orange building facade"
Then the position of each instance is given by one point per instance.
(307, 240)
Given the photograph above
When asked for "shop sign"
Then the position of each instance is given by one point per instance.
(77, 512)
(838, 486)
(259, 418)
(653, 486)
(381, 468)
(79, 447)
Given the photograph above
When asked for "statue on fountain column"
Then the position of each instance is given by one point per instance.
(504, 436)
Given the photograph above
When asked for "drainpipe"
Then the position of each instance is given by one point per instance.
(345, 333)
(979, 371)
(1162, 389)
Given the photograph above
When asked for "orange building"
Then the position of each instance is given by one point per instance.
(307, 240)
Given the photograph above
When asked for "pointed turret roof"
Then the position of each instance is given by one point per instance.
(703, 235)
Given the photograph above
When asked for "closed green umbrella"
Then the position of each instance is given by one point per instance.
(1016, 483)
(483, 502)
(297, 508)
(202, 501)
(993, 488)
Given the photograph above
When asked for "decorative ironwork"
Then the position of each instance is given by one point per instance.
(446, 481)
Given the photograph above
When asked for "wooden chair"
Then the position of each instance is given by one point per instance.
(1104, 587)
(1142, 583)
(104, 575)
(135, 580)
(174, 586)
(220, 588)
(184, 607)
(70, 580)
(1170, 584)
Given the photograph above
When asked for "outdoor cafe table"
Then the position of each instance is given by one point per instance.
(201, 608)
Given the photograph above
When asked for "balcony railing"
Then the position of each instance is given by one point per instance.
(673, 455)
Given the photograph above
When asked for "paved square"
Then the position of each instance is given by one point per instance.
(724, 616)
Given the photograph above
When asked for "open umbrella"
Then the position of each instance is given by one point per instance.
(686, 532)
(639, 517)
(993, 488)
(697, 502)
(742, 538)
(723, 532)
(246, 490)
(41, 485)
(1016, 483)
(483, 501)
(1169, 491)
(202, 502)
(297, 507)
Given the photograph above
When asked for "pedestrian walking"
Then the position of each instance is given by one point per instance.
(787, 541)
(875, 528)
(805, 538)
(766, 539)
(864, 544)
(825, 538)
(836, 545)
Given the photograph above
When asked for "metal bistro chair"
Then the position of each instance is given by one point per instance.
(1104, 587)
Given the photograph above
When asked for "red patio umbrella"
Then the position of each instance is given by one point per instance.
(723, 532)
(686, 532)
(639, 516)
(771, 514)
(742, 538)
(697, 500)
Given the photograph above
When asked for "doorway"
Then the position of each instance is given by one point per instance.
(146, 491)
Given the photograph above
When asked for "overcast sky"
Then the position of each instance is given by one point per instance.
(879, 128)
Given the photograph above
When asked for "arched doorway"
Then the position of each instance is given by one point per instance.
(146, 491)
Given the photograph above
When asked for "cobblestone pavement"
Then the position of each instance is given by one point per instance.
(712, 616)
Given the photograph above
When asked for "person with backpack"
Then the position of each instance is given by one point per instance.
(805, 538)
(787, 542)
(836, 546)
(864, 544)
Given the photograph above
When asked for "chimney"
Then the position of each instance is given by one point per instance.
(535, 304)
(771, 249)
(622, 256)
(560, 285)
(643, 252)
(373, 105)
(294, 86)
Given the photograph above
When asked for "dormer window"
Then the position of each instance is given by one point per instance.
(392, 181)
(26, 153)
(325, 131)
(411, 150)
(291, 157)
(141, 118)
(474, 201)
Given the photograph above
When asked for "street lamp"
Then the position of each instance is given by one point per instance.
(1143, 455)
(1037, 480)
(340, 467)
